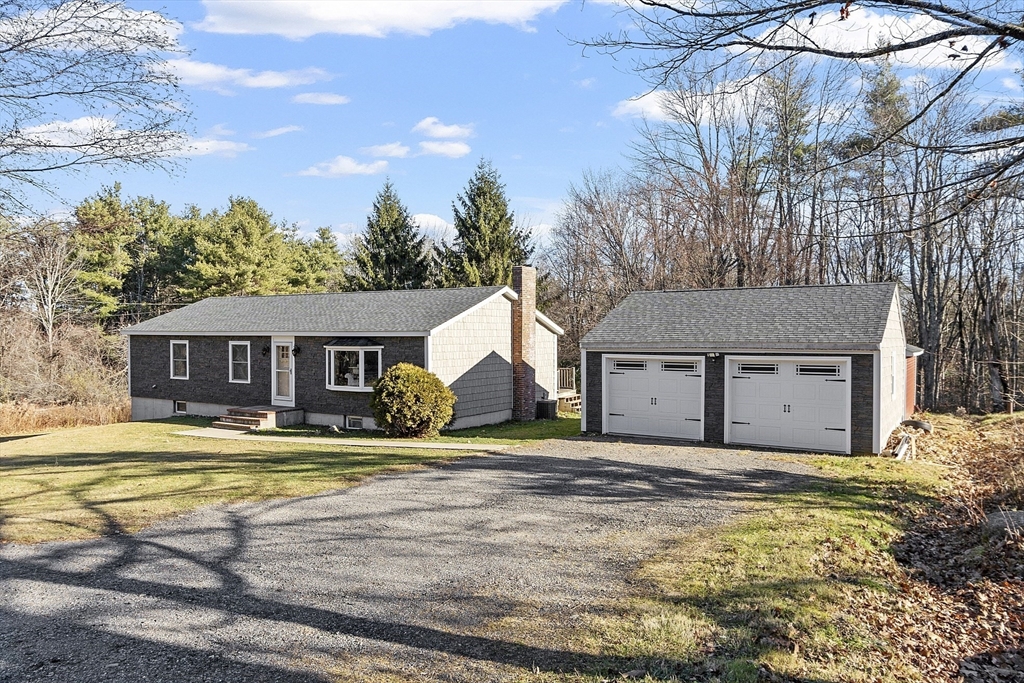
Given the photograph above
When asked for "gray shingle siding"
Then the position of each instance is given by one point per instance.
(861, 392)
(207, 373)
(844, 317)
(311, 392)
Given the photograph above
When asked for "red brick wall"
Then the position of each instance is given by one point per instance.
(524, 346)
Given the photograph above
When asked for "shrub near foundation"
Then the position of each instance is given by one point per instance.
(409, 401)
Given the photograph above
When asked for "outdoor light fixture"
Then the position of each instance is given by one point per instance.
(296, 350)
(265, 351)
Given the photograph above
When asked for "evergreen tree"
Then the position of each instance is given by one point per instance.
(239, 252)
(317, 264)
(487, 242)
(390, 254)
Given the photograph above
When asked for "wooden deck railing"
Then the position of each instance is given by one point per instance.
(566, 380)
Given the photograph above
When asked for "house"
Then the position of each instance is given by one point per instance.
(315, 357)
(817, 368)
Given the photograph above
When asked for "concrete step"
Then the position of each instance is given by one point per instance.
(247, 412)
(239, 420)
(233, 425)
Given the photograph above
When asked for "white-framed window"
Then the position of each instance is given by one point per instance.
(353, 368)
(895, 360)
(180, 407)
(238, 362)
(179, 359)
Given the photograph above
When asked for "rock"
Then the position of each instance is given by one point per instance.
(1005, 520)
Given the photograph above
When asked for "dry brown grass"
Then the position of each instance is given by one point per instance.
(29, 418)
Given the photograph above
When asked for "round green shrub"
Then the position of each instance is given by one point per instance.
(409, 401)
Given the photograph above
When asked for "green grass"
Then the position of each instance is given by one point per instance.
(78, 483)
(774, 589)
(506, 433)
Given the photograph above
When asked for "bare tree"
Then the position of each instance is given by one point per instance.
(84, 83)
(49, 271)
(755, 37)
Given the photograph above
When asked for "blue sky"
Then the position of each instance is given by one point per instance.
(310, 126)
(307, 106)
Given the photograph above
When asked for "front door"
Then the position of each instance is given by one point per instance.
(283, 392)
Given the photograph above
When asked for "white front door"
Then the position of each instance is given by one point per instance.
(283, 380)
(655, 396)
(791, 403)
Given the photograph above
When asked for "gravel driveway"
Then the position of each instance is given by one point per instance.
(468, 572)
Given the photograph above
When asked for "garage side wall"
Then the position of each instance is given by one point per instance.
(893, 379)
(861, 390)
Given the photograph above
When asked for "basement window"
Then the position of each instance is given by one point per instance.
(352, 422)
(817, 370)
(675, 366)
(759, 368)
(629, 364)
(180, 407)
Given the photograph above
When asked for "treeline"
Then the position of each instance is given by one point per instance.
(66, 287)
(793, 179)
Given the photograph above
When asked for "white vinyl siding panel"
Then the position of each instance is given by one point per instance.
(473, 356)
(891, 404)
(547, 362)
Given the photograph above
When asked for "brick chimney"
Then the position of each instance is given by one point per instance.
(524, 345)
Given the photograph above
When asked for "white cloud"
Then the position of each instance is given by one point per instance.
(651, 105)
(343, 166)
(274, 132)
(96, 135)
(865, 29)
(433, 128)
(1012, 84)
(208, 146)
(390, 149)
(320, 98)
(434, 227)
(297, 19)
(447, 148)
(586, 83)
(221, 79)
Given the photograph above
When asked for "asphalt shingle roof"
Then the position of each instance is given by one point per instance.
(850, 317)
(418, 310)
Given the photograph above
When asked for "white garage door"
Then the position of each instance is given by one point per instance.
(655, 396)
(799, 403)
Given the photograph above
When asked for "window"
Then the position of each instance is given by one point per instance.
(238, 362)
(179, 359)
(895, 360)
(352, 422)
(672, 366)
(629, 364)
(180, 407)
(759, 368)
(352, 369)
(817, 370)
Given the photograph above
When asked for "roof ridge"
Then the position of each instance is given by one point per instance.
(367, 291)
(743, 289)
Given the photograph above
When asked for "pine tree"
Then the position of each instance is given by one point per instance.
(390, 254)
(487, 242)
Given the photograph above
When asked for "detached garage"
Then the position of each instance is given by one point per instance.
(817, 368)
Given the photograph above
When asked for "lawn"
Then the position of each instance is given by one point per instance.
(78, 483)
(506, 433)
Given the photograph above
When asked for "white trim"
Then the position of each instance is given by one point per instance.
(876, 399)
(329, 366)
(274, 399)
(248, 363)
(701, 350)
(549, 323)
(504, 291)
(847, 360)
(426, 353)
(702, 368)
(263, 335)
(171, 348)
(583, 391)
